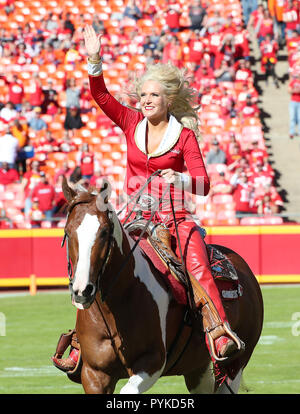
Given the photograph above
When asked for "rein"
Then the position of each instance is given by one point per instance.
(136, 198)
(125, 262)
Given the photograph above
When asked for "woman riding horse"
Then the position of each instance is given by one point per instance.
(158, 140)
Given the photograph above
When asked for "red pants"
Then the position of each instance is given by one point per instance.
(194, 252)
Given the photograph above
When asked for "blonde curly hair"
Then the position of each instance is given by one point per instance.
(181, 97)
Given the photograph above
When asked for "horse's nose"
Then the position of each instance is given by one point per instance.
(83, 295)
(89, 291)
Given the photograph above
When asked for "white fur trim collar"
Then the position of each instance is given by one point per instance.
(170, 137)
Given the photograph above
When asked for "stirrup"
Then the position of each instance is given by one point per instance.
(65, 341)
(229, 333)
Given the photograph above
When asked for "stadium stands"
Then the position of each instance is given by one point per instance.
(42, 45)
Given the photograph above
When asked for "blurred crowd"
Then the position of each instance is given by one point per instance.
(50, 126)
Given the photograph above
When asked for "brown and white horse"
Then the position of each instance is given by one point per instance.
(128, 324)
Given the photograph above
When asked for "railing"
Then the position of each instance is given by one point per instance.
(244, 219)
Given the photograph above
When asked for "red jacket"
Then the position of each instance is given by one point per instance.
(181, 148)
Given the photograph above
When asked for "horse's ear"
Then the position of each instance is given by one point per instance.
(69, 193)
(104, 194)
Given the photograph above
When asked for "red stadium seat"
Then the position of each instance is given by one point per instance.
(271, 220)
(250, 221)
(222, 199)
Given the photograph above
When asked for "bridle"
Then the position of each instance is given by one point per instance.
(107, 256)
(109, 249)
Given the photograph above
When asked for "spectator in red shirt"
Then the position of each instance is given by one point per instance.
(47, 143)
(269, 49)
(291, 16)
(240, 165)
(249, 109)
(59, 198)
(196, 48)
(225, 51)
(256, 154)
(265, 27)
(36, 91)
(35, 214)
(44, 194)
(245, 91)
(266, 206)
(242, 194)
(8, 175)
(50, 104)
(221, 185)
(234, 155)
(255, 19)
(241, 42)
(22, 56)
(172, 17)
(15, 91)
(292, 42)
(243, 72)
(294, 106)
(274, 196)
(232, 143)
(86, 161)
(30, 179)
(261, 175)
(86, 98)
(204, 76)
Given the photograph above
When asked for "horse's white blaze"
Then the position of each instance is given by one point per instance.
(86, 234)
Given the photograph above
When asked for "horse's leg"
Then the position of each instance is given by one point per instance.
(142, 381)
(233, 386)
(96, 382)
(200, 381)
(203, 382)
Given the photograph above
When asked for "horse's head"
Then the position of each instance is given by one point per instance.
(91, 229)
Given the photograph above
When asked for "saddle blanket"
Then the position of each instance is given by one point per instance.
(222, 270)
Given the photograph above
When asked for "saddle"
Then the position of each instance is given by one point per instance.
(159, 238)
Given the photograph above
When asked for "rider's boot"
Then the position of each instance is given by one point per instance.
(222, 342)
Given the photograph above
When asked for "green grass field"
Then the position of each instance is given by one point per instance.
(30, 327)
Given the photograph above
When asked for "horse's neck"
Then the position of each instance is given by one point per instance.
(115, 279)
